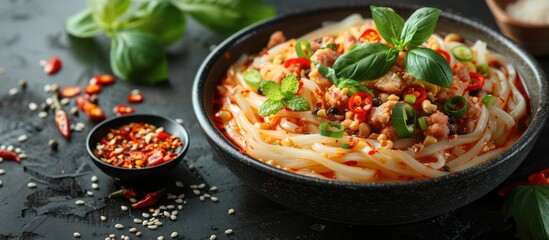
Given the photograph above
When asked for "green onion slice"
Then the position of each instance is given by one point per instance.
(404, 119)
(410, 98)
(482, 68)
(456, 106)
(253, 78)
(462, 53)
(330, 46)
(331, 129)
(488, 100)
(422, 123)
(299, 49)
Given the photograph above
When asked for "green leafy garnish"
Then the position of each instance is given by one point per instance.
(372, 60)
(327, 72)
(353, 86)
(299, 45)
(529, 206)
(282, 95)
(142, 30)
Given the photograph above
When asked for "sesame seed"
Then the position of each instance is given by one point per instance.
(112, 236)
(64, 101)
(18, 150)
(202, 186)
(79, 127)
(181, 196)
(80, 202)
(160, 238)
(33, 106)
(138, 234)
(94, 178)
(213, 189)
(166, 214)
(103, 218)
(213, 237)
(119, 226)
(207, 195)
(90, 193)
(179, 184)
(13, 91)
(179, 200)
(95, 186)
(152, 227)
(2, 171)
(31, 185)
(145, 215)
(22, 138)
(47, 88)
(145, 223)
(49, 101)
(76, 234)
(124, 208)
(202, 198)
(42, 114)
(191, 166)
(1, 159)
(175, 212)
(231, 211)
(132, 230)
(194, 186)
(0, 183)
(170, 206)
(228, 231)
(196, 192)
(135, 91)
(118, 150)
(22, 156)
(2, 70)
(179, 120)
(214, 199)
(137, 220)
(10, 148)
(174, 235)
(171, 196)
(126, 238)
(179, 207)
(133, 200)
(158, 223)
(162, 207)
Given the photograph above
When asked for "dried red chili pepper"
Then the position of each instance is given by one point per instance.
(150, 199)
(52, 66)
(61, 117)
(9, 155)
(124, 192)
(536, 178)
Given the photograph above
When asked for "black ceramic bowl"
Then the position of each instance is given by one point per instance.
(137, 174)
(366, 203)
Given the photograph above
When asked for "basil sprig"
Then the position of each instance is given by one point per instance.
(529, 206)
(282, 95)
(372, 60)
(142, 30)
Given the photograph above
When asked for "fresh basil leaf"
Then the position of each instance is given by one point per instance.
(297, 103)
(289, 84)
(159, 18)
(138, 57)
(226, 16)
(82, 25)
(365, 62)
(428, 65)
(270, 107)
(420, 26)
(353, 86)
(271, 89)
(105, 12)
(388, 24)
(529, 206)
(326, 72)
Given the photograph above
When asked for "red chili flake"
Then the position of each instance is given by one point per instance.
(122, 109)
(9, 155)
(103, 79)
(162, 135)
(52, 66)
(371, 152)
(93, 89)
(135, 97)
(70, 91)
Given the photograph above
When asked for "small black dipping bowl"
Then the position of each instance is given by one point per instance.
(137, 174)
(355, 202)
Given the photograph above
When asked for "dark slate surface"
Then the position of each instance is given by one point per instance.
(32, 30)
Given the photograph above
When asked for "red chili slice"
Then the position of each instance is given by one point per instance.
(360, 103)
(155, 158)
(122, 109)
(96, 113)
(417, 91)
(304, 62)
(539, 178)
(135, 97)
(103, 79)
(52, 66)
(162, 135)
(445, 55)
(370, 35)
(477, 81)
(70, 91)
(93, 89)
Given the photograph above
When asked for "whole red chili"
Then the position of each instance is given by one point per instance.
(9, 155)
(52, 66)
(150, 199)
(536, 178)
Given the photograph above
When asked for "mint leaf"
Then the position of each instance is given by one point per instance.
(353, 86)
(139, 57)
(428, 65)
(82, 25)
(529, 206)
(271, 89)
(289, 84)
(226, 16)
(420, 26)
(159, 18)
(388, 24)
(365, 62)
(296, 103)
(326, 72)
(270, 107)
(105, 12)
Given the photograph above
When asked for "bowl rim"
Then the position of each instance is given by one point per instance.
(208, 127)
(102, 124)
(503, 16)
